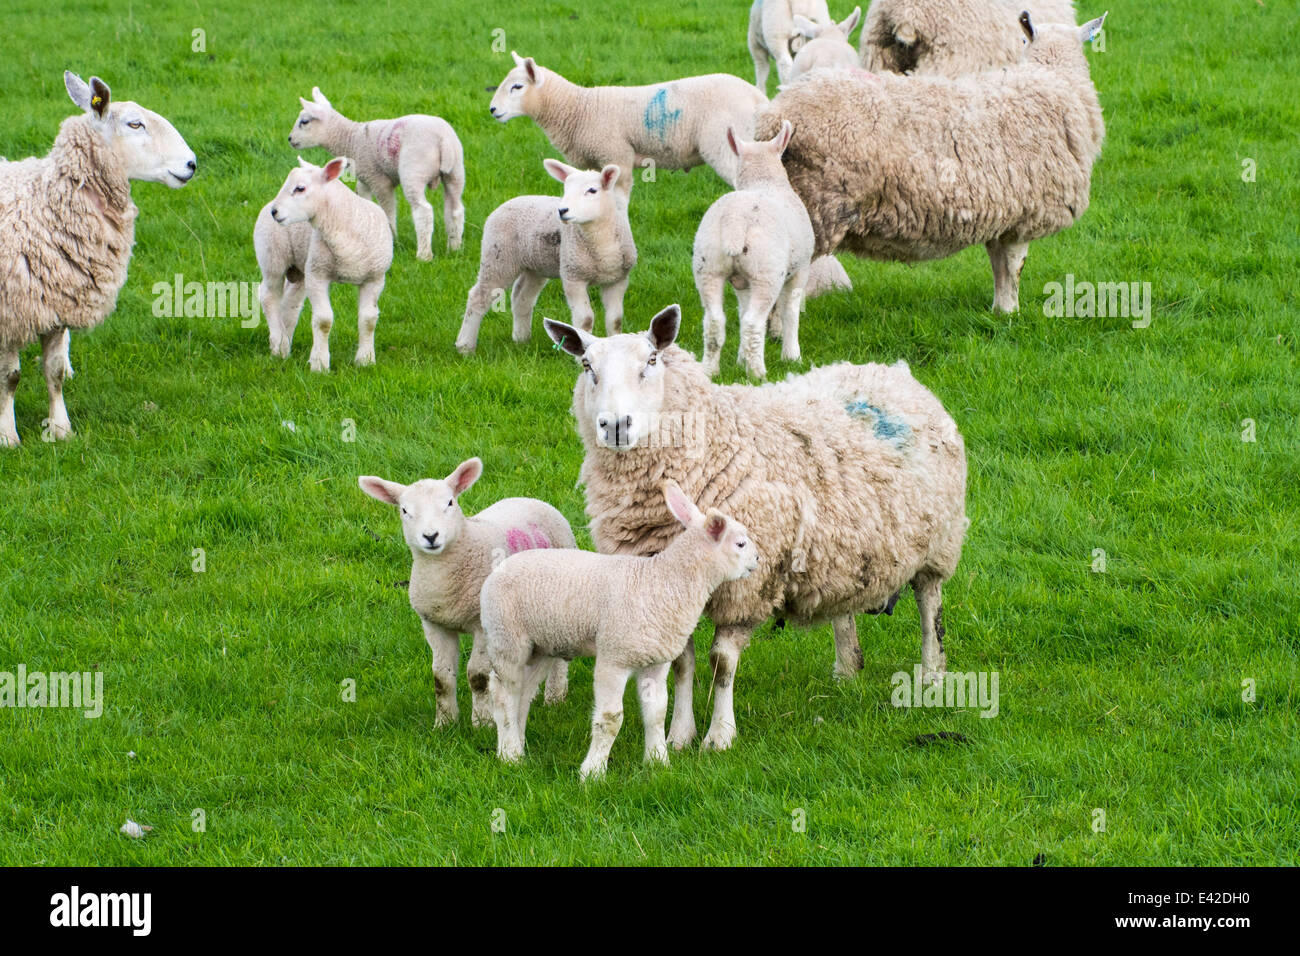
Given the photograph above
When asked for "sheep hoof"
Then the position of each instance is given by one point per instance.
(933, 677)
(365, 358)
(591, 771)
(479, 717)
(556, 695)
(9, 440)
(719, 739)
(319, 365)
(679, 738)
(465, 348)
(425, 255)
(445, 717)
(659, 755)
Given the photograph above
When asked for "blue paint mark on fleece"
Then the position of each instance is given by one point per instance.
(886, 427)
(658, 118)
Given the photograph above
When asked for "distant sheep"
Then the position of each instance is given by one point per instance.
(773, 35)
(828, 46)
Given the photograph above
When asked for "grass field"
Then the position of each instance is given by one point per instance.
(1120, 691)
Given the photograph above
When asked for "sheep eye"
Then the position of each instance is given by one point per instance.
(591, 191)
(654, 358)
(404, 511)
(452, 502)
(303, 122)
(517, 86)
(135, 124)
(299, 189)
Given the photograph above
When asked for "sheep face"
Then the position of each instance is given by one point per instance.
(725, 540)
(518, 91)
(309, 128)
(621, 392)
(432, 519)
(587, 195)
(303, 190)
(147, 145)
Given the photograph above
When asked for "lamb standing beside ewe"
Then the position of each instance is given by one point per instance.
(67, 225)
(923, 167)
(828, 46)
(950, 37)
(582, 238)
(851, 479)
(759, 239)
(415, 151)
(452, 555)
(773, 36)
(316, 232)
(633, 614)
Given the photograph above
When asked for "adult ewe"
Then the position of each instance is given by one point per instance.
(851, 480)
(67, 225)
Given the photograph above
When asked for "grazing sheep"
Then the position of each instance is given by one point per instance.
(773, 36)
(67, 225)
(759, 239)
(676, 125)
(950, 37)
(633, 614)
(415, 151)
(828, 46)
(851, 478)
(452, 555)
(582, 238)
(316, 232)
(923, 167)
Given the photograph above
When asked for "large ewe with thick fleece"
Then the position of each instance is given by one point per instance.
(676, 125)
(922, 167)
(773, 35)
(416, 152)
(851, 479)
(633, 614)
(950, 37)
(759, 239)
(828, 46)
(582, 238)
(452, 554)
(67, 225)
(316, 232)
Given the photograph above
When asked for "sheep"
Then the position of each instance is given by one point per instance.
(851, 478)
(634, 614)
(67, 225)
(316, 232)
(583, 238)
(415, 151)
(760, 239)
(922, 167)
(828, 46)
(950, 37)
(675, 125)
(452, 554)
(773, 36)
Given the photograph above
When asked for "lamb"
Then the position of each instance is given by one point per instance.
(583, 238)
(633, 614)
(758, 238)
(452, 555)
(316, 232)
(923, 167)
(773, 36)
(851, 478)
(950, 37)
(67, 225)
(676, 125)
(415, 151)
(828, 46)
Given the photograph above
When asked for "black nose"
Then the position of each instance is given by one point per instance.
(191, 166)
(432, 539)
(275, 213)
(564, 211)
(290, 139)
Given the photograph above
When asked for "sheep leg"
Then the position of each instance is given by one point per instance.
(789, 306)
(290, 310)
(712, 289)
(575, 293)
(492, 282)
(607, 718)
(557, 681)
(682, 730)
(414, 182)
(367, 319)
(762, 64)
(611, 300)
(504, 684)
(534, 673)
(1007, 259)
(385, 194)
(9, 376)
(848, 652)
(753, 326)
(652, 689)
(929, 602)
(453, 208)
(322, 321)
(523, 297)
(724, 657)
(445, 645)
(67, 354)
(52, 362)
(477, 671)
(269, 294)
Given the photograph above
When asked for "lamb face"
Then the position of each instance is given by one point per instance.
(432, 519)
(587, 195)
(148, 145)
(517, 91)
(303, 190)
(309, 128)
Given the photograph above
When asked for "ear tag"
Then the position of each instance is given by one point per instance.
(97, 101)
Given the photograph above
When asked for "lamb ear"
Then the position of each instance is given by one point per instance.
(530, 67)
(1090, 29)
(558, 170)
(782, 139)
(731, 141)
(519, 60)
(319, 97)
(99, 96)
(574, 341)
(609, 176)
(334, 168)
(1027, 25)
(386, 491)
(303, 163)
(851, 22)
(680, 506)
(664, 326)
(466, 473)
(715, 525)
(306, 103)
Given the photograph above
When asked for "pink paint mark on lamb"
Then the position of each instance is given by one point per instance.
(392, 144)
(520, 539)
(539, 537)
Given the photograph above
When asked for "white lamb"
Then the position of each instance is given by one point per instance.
(759, 239)
(316, 232)
(452, 555)
(676, 125)
(773, 36)
(67, 225)
(582, 238)
(828, 46)
(415, 151)
(635, 615)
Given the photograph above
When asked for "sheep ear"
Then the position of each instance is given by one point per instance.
(574, 341)
(803, 27)
(782, 139)
(851, 22)
(319, 97)
(558, 170)
(609, 176)
(1027, 25)
(334, 168)
(681, 507)
(519, 60)
(731, 141)
(303, 163)
(466, 473)
(715, 525)
(99, 96)
(1090, 29)
(386, 491)
(78, 90)
(664, 326)
(530, 67)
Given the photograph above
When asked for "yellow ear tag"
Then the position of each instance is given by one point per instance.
(97, 101)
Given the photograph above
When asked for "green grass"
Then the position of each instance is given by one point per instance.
(1120, 691)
